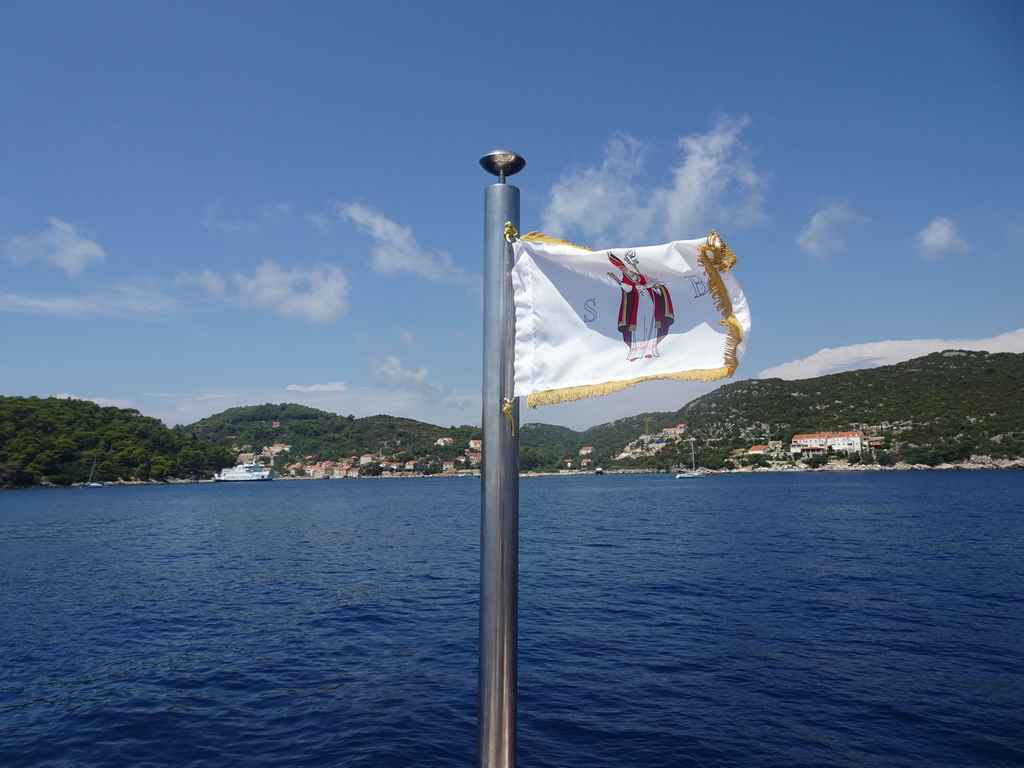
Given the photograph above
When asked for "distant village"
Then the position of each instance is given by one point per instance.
(800, 447)
(467, 463)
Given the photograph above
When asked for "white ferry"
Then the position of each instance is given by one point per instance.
(254, 471)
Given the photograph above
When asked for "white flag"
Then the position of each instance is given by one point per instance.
(590, 323)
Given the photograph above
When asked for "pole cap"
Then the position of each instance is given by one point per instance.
(502, 163)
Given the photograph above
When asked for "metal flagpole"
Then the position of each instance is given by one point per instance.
(499, 508)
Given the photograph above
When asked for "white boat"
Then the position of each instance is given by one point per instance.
(92, 473)
(693, 465)
(244, 472)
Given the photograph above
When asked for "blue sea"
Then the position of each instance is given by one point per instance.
(813, 619)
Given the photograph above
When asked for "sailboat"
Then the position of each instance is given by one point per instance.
(92, 473)
(693, 465)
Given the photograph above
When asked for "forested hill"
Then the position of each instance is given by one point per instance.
(57, 441)
(309, 432)
(945, 406)
(952, 403)
(956, 397)
(324, 435)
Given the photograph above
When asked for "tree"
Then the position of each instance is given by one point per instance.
(529, 458)
(12, 475)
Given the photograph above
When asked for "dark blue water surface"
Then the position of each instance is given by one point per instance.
(815, 619)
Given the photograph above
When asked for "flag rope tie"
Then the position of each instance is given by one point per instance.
(507, 410)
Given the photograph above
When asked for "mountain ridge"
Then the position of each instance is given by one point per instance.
(954, 399)
(946, 406)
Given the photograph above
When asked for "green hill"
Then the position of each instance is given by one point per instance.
(945, 406)
(946, 396)
(55, 440)
(310, 432)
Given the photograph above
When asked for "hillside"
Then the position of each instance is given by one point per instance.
(954, 402)
(55, 441)
(323, 435)
(946, 397)
(945, 406)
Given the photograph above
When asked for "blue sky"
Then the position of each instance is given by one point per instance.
(212, 204)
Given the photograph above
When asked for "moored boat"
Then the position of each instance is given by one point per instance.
(92, 483)
(693, 466)
(243, 472)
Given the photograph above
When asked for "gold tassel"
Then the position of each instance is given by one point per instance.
(540, 237)
(571, 394)
(732, 341)
(717, 252)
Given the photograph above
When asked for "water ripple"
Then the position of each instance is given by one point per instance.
(813, 620)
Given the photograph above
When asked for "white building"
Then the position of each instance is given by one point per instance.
(853, 442)
(812, 442)
(819, 442)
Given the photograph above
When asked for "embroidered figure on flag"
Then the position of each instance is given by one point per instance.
(645, 310)
(676, 307)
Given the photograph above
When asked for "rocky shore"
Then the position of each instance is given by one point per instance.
(976, 462)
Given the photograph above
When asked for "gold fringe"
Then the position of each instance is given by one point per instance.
(715, 256)
(717, 252)
(570, 394)
(732, 341)
(540, 237)
(718, 290)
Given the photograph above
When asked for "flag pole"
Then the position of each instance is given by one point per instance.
(499, 508)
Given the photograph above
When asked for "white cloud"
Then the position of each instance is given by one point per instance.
(938, 239)
(105, 402)
(208, 279)
(591, 200)
(432, 405)
(318, 293)
(391, 371)
(714, 186)
(321, 221)
(61, 245)
(396, 249)
(137, 301)
(877, 353)
(819, 237)
(334, 386)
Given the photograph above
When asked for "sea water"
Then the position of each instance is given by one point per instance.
(811, 619)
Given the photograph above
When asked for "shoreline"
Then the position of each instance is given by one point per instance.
(979, 464)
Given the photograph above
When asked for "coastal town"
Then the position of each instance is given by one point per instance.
(800, 446)
(824, 450)
(466, 463)
(945, 410)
